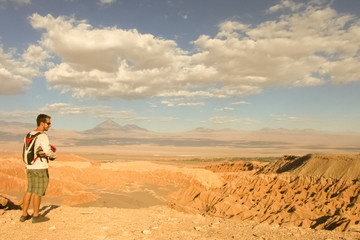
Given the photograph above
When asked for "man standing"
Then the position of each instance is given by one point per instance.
(37, 170)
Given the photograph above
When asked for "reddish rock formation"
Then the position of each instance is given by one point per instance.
(317, 191)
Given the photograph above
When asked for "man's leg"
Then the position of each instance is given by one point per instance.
(26, 203)
(36, 202)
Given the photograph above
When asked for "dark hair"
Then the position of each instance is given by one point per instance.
(41, 118)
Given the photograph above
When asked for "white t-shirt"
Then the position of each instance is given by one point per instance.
(43, 141)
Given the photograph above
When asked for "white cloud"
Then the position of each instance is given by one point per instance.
(96, 111)
(115, 63)
(284, 117)
(103, 2)
(231, 29)
(305, 46)
(35, 55)
(168, 103)
(99, 111)
(298, 49)
(223, 120)
(187, 94)
(225, 109)
(286, 4)
(174, 103)
(344, 71)
(213, 92)
(239, 103)
(192, 104)
(15, 74)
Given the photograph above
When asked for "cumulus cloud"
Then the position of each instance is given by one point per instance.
(300, 48)
(35, 55)
(286, 4)
(15, 74)
(307, 45)
(115, 63)
(97, 111)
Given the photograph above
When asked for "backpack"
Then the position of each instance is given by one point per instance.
(29, 155)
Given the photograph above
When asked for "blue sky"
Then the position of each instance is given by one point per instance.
(173, 66)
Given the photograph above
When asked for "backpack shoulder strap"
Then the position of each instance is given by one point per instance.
(29, 138)
(37, 134)
(32, 136)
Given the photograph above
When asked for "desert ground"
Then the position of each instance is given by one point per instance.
(162, 192)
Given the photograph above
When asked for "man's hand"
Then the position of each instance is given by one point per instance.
(40, 152)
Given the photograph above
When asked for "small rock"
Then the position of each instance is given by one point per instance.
(197, 228)
(86, 212)
(52, 228)
(145, 232)
(154, 227)
(215, 224)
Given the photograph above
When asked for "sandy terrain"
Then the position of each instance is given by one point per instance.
(169, 195)
(156, 222)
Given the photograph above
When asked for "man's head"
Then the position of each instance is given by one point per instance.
(43, 121)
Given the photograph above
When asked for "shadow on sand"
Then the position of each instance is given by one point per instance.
(48, 209)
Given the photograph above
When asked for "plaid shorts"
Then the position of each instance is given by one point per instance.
(38, 180)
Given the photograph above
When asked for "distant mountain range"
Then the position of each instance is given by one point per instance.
(111, 133)
(109, 127)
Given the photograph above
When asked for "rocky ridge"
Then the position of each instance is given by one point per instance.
(284, 192)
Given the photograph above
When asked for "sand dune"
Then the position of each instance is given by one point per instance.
(316, 191)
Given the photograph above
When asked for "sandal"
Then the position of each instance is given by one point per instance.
(24, 218)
